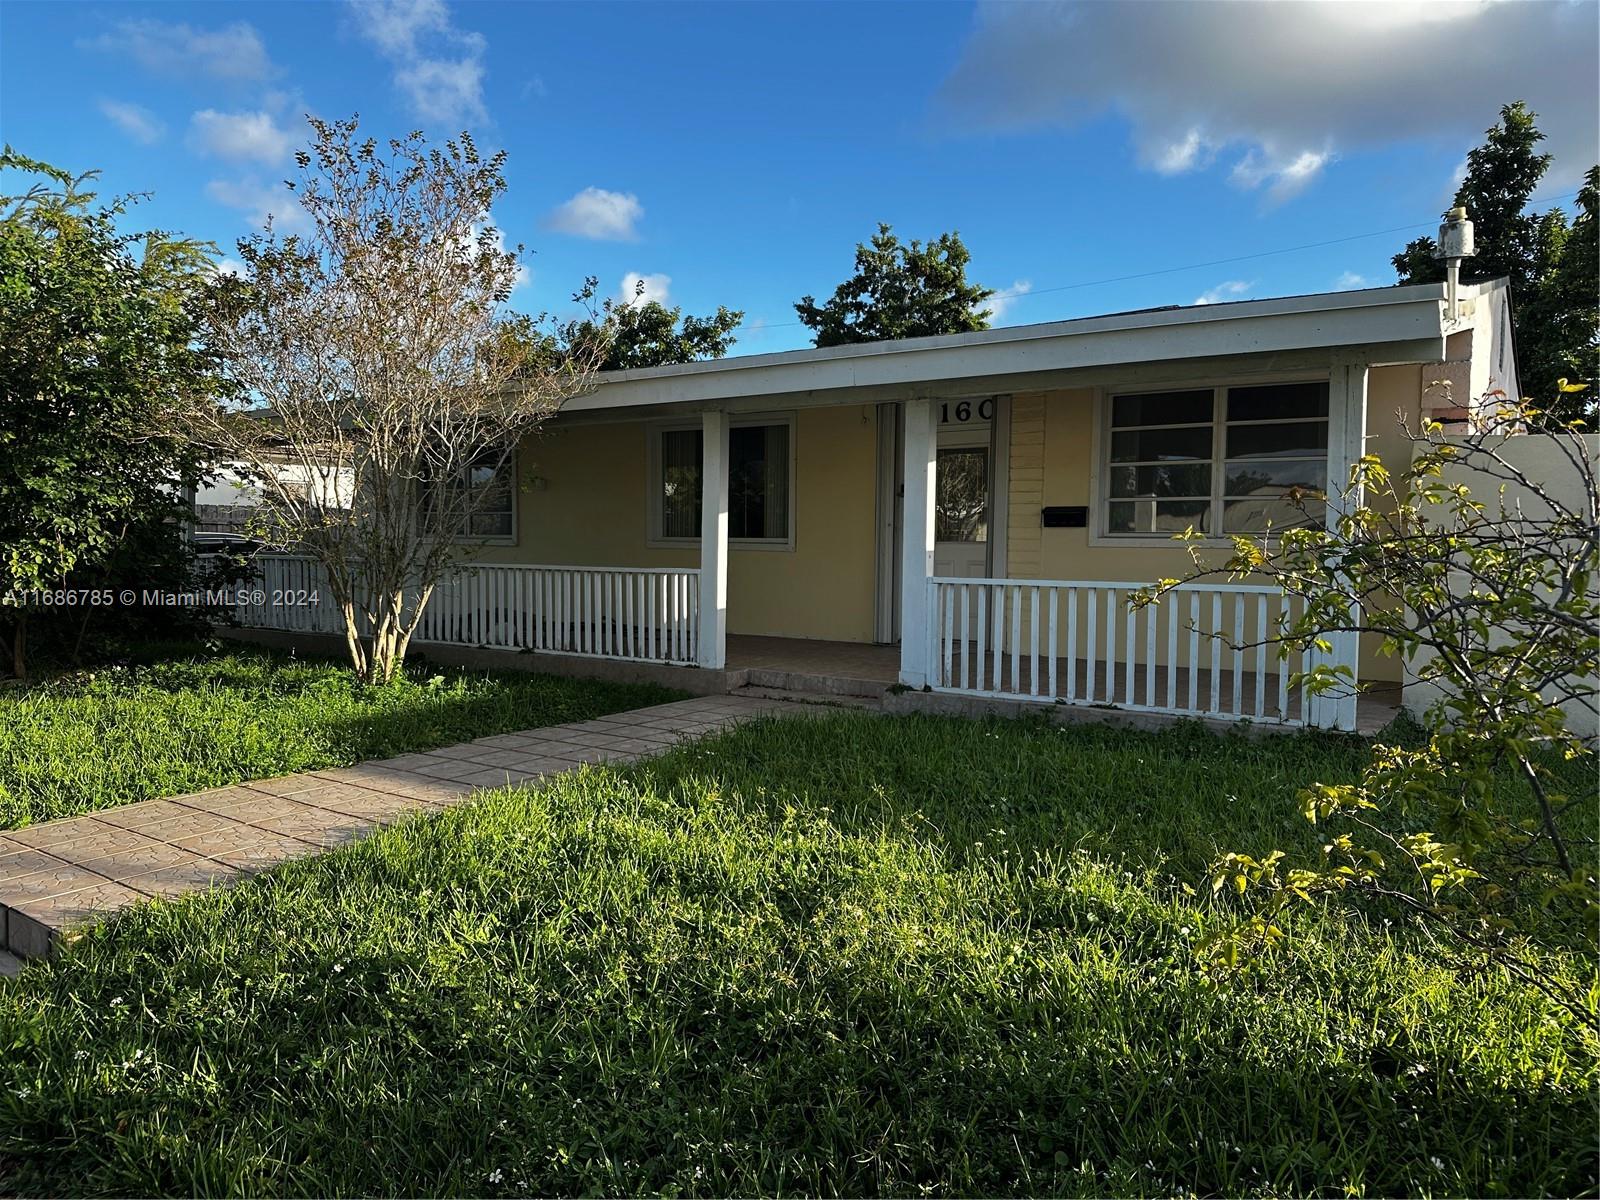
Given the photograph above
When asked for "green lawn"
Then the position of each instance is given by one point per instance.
(101, 738)
(851, 955)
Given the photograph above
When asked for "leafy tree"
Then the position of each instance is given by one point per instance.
(1483, 577)
(387, 380)
(1559, 332)
(1553, 300)
(645, 333)
(900, 291)
(99, 334)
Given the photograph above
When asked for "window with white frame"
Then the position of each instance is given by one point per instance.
(1222, 460)
(760, 478)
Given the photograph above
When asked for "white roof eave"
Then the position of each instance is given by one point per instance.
(1399, 324)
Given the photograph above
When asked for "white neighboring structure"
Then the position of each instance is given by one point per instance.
(226, 503)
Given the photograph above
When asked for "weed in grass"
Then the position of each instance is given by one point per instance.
(848, 955)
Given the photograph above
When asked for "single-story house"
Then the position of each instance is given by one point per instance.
(984, 502)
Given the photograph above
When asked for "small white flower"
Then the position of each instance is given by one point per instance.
(496, 1175)
(337, 968)
(116, 1002)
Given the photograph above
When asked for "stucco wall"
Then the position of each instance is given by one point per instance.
(584, 502)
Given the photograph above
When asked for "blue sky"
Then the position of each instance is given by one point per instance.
(734, 154)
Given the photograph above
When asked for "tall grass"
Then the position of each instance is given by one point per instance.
(849, 955)
(115, 735)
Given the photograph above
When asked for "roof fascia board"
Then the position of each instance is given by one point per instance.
(934, 366)
(1156, 372)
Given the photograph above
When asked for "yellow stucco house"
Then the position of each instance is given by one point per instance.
(967, 514)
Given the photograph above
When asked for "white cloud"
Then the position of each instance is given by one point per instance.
(1349, 281)
(599, 214)
(1284, 88)
(232, 52)
(1283, 175)
(642, 289)
(1174, 158)
(259, 201)
(228, 266)
(1233, 289)
(142, 125)
(438, 67)
(1000, 303)
(239, 137)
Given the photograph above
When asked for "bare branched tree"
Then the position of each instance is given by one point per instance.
(380, 380)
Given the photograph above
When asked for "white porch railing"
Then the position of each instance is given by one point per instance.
(1078, 643)
(642, 614)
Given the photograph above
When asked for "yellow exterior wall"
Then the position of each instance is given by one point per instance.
(1068, 472)
(584, 501)
(825, 587)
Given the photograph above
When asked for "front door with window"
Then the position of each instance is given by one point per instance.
(964, 506)
(961, 512)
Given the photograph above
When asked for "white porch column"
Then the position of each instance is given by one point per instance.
(713, 648)
(1347, 430)
(916, 557)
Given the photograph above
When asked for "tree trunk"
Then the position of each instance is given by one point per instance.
(19, 648)
(410, 627)
(385, 642)
(77, 644)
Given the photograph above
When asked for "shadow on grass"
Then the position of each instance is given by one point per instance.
(846, 957)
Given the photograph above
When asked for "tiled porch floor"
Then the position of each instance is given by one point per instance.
(801, 656)
(61, 874)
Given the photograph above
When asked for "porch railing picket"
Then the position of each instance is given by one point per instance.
(640, 614)
(991, 639)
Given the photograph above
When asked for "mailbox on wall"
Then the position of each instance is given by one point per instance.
(1065, 517)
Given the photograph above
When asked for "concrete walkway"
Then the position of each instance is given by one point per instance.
(59, 875)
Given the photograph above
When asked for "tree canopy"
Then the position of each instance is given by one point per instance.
(395, 387)
(900, 291)
(99, 331)
(646, 333)
(1552, 265)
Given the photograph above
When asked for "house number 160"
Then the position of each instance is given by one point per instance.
(961, 411)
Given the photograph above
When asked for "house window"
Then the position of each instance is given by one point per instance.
(1221, 460)
(493, 498)
(760, 479)
(487, 490)
(680, 483)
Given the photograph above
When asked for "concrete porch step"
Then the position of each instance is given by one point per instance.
(808, 683)
(819, 699)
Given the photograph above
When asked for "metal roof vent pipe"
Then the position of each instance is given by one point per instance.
(1455, 244)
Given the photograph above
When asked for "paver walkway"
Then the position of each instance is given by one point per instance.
(61, 874)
